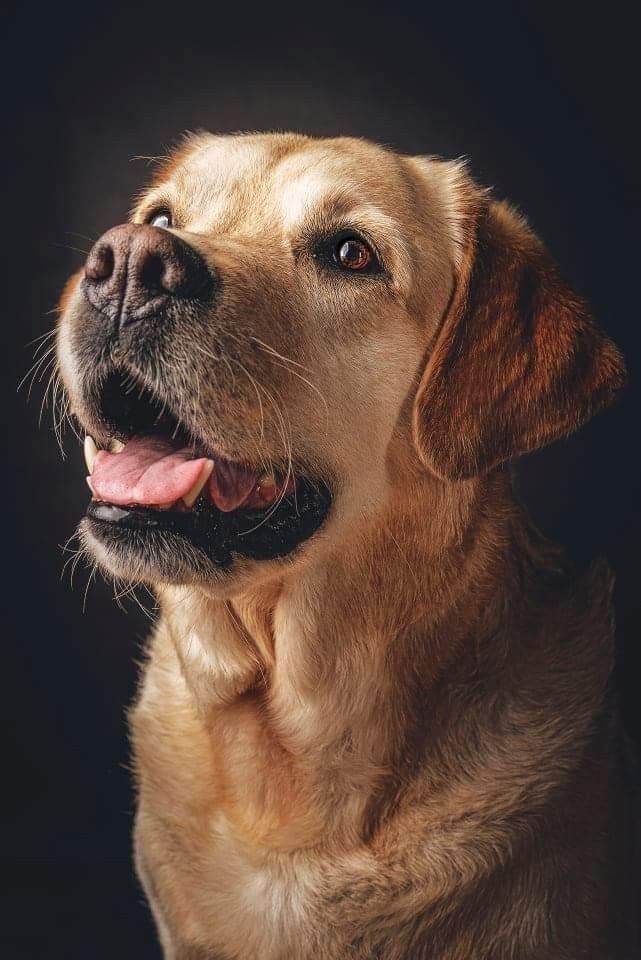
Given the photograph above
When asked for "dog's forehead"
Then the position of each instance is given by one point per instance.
(287, 175)
(305, 181)
(222, 159)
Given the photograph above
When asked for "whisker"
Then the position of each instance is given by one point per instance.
(83, 236)
(117, 596)
(290, 466)
(43, 336)
(90, 579)
(68, 246)
(280, 356)
(149, 160)
(309, 384)
(35, 368)
(260, 402)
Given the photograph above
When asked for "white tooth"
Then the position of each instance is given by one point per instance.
(115, 446)
(90, 452)
(190, 498)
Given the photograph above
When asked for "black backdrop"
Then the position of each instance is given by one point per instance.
(543, 102)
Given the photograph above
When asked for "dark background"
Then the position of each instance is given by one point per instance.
(544, 103)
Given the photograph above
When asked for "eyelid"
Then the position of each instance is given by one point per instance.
(151, 208)
(159, 211)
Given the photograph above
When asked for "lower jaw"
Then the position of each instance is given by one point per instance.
(206, 536)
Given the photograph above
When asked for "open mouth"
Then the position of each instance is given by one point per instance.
(155, 478)
(157, 472)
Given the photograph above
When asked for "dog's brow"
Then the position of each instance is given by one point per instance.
(210, 180)
(211, 174)
(300, 196)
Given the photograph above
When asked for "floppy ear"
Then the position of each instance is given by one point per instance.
(518, 361)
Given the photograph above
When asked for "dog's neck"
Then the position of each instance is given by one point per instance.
(329, 638)
(402, 571)
(331, 682)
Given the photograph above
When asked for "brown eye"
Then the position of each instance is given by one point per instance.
(346, 252)
(353, 254)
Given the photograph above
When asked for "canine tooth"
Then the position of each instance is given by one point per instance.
(190, 498)
(90, 452)
(115, 446)
(89, 484)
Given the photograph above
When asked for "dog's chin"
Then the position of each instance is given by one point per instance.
(205, 545)
(147, 560)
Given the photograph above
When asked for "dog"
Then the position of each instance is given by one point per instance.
(376, 717)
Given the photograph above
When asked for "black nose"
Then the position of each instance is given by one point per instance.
(132, 271)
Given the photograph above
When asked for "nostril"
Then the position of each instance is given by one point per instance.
(173, 277)
(152, 273)
(100, 263)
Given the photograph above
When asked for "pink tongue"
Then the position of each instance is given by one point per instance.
(153, 472)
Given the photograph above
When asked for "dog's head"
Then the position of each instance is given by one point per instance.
(278, 315)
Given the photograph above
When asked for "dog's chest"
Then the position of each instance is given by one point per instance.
(221, 835)
(218, 898)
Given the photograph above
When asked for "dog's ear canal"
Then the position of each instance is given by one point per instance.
(518, 361)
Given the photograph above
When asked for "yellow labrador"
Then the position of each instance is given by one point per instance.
(375, 719)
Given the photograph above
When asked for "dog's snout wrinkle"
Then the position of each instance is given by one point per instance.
(133, 270)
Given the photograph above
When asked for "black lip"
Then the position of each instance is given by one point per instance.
(255, 534)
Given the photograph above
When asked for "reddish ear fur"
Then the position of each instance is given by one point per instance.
(518, 362)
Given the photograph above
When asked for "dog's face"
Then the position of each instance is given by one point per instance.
(283, 352)
(276, 314)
